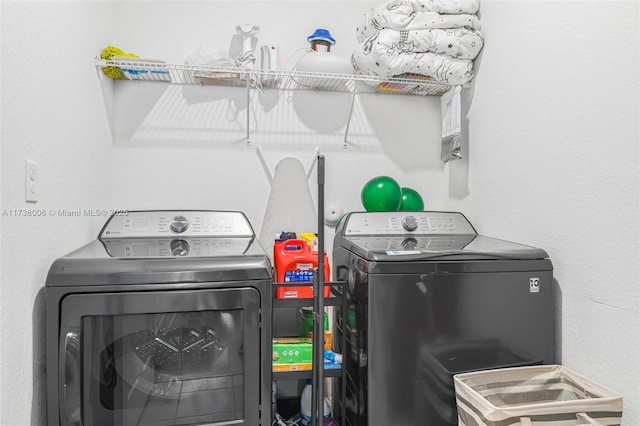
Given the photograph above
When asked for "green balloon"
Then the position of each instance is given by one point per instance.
(411, 200)
(381, 194)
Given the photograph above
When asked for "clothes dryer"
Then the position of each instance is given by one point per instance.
(164, 319)
(429, 298)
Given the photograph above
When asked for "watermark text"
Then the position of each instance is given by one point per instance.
(63, 212)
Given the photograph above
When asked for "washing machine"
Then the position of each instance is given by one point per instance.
(164, 319)
(429, 298)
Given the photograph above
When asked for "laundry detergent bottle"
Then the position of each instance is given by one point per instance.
(296, 262)
(305, 407)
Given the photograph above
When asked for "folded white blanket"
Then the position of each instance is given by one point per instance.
(419, 15)
(460, 43)
(445, 58)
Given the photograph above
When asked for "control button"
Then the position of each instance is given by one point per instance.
(409, 243)
(179, 248)
(179, 224)
(410, 223)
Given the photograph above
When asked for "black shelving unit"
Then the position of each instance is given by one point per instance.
(335, 299)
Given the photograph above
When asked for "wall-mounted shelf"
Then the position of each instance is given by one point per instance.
(136, 70)
(149, 70)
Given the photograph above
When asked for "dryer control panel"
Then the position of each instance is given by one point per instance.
(183, 223)
(402, 223)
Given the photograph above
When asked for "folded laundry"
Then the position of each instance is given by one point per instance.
(435, 38)
(459, 43)
(390, 53)
(418, 15)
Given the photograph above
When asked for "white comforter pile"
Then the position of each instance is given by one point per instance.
(434, 38)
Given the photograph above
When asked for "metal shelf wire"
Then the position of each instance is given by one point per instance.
(262, 79)
(134, 69)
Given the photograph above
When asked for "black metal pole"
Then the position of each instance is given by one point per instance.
(314, 363)
(318, 336)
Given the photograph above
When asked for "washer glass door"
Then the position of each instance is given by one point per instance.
(160, 358)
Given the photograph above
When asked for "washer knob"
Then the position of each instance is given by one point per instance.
(179, 224)
(410, 223)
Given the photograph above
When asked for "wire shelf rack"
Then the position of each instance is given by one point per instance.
(263, 79)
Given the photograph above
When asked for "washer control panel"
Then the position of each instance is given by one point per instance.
(402, 223)
(183, 223)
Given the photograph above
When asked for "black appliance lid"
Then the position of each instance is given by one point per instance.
(416, 236)
(139, 247)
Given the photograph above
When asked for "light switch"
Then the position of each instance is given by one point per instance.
(30, 181)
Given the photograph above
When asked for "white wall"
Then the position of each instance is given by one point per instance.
(53, 113)
(553, 161)
(184, 146)
(552, 158)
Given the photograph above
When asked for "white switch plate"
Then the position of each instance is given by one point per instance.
(30, 181)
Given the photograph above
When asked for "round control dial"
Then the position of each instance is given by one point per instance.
(410, 223)
(179, 224)
(409, 243)
(179, 248)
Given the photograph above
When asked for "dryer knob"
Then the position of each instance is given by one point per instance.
(179, 224)
(410, 223)
(179, 248)
(409, 243)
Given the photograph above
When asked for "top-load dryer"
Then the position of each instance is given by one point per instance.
(163, 320)
(428, 298)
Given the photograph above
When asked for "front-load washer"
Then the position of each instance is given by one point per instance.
(164, 319)
(429, 298)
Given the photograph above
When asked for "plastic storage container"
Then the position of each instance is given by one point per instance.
(549, 395)
(295, 262)
(158, 70)
(305, 405)
(305, 321)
